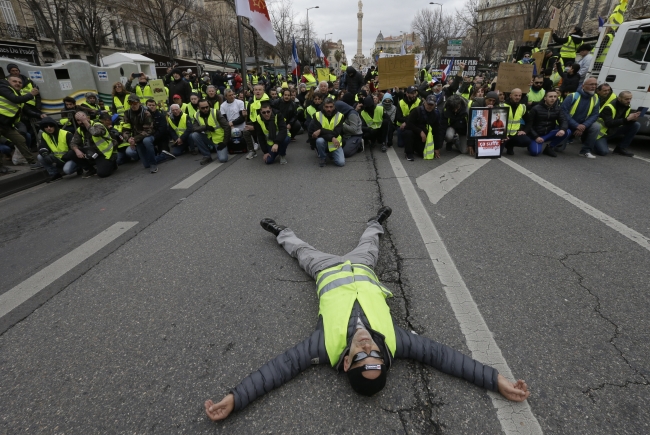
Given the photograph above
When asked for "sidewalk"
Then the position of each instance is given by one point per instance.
(23, 179)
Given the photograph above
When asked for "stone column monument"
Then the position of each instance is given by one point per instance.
(358, 58)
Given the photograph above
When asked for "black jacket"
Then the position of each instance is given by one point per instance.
(456, 120)
(617, 121)
(543, 119)
(160, 126)
(180, 87)
(569, 81)
(287, 109)
(277, 135)
(7, 92)
(188, 131)
(419, 120)
(314, 125)
(311, 351)
(399, 115)
(353, 81)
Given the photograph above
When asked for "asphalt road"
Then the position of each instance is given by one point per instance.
(193, 297)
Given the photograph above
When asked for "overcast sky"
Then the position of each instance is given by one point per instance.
(387, 16)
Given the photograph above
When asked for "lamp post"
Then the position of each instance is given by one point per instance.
(308, 46)
(326, 36)
(439, 4)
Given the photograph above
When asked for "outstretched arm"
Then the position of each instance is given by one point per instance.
(271, 375)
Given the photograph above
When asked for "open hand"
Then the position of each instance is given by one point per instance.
(517, 392)
(221, 410)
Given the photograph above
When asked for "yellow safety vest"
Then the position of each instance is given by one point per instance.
(120, 105)
(536, 97)
(143, 95)
(190, 110)
(260, 121)
(119, 127)
(26, 90)
(406, 109)
(217, 135)
(603, 128)
(576, 100)
(514, 120)
(332, 78)
(468, 92)
(311, 81)
(255, 106)
(8, 108)
(609, 100)
(429, 147)
(375, 122)
(60, 147)
(182, 124)
(95, 108)
(339, 287)
(311, 111)
(254, 79)
(605, 44)
(103, 143)
(330, 125)
(568, 50)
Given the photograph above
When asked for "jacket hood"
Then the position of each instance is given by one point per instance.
(350, 71)
(348, 98)
(369, 105)
(343, 108)
(47, 121)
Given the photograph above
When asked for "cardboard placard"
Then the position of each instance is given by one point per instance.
(514, 75)
(531, 35)
(396, 72)
(538, 58)
(323, 74)
(555, 18)
(511, 46)
(545, 39)
(159, 94)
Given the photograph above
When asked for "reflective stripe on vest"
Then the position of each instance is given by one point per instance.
(375, 122)
(429, 147)
(26, 90)
(60, 147)
(119, 105)
(406, 109)
(330, 125)
(609, 100)
(144, 95)
(182, 124)
(8, 108)
(576, 101)
(338, 288)
(607, 41)
(103, 143)
(568, 50)
(603, 128)
(260, 121)
(190, 110)
(514, 120)
(217, 135)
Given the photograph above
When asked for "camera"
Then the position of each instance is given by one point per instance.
(92, 156)
(44, 152)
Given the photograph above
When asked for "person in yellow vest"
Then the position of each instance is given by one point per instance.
(252, 108)
(54, 151)
(211, 96)
(570, 45)
(181, 131)
(516, 131)
(91, 106)
(617, 122)
(115, 126)
(120, 96)
(271, 134)
(425, 130)
(404, 107)
(28, 85)
(605, 44)
(67, 114)
(332, 77)
(138, 131)
(308, 79)
(605, 94)
(536, 92)
(355, 333)
(93, 142)
(12, 103)
(211, 131)
(141, 89)
(192, 107)
(581, 110)
(325, 133)
(374, 123)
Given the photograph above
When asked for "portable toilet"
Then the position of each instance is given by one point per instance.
(69, 77)
(143, 63)
(106, 76)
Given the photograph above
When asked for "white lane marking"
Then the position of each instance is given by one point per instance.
(515, 418)
(195, 177)
(634, 156)
(442, 179)
(37, 282)
(606, 219)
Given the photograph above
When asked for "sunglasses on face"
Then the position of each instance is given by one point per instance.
(538, 83)
(134, 102)
(362, 355)
(204, 107)
(265, 112)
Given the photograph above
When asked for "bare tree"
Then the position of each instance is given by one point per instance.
(164, 18)
(434, 29)
(284, 25)
(536, 14)
(479, 34)
(52, 16)
(90, 22)
(305, 41)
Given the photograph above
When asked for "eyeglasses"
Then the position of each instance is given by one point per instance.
(265, 112)
(362, 355)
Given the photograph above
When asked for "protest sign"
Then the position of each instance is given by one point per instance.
(531, 35)
(396, 72)
(511, 46)
(555, 18)
(471, 62)
(323, 74)
(538, 58)
(159, 94)
(545, 39)
(417, 63)
(514, 75)
(488, 148)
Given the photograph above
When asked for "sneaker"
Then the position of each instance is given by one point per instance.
(271, 226)
(251, 155)
(283, 160)
(383, 148)
(256, 146)
(587, 155)
(205, 160)
(549, 151)
(409, 157)
(54, 178)
(623, 152)
(89, 173)
(169, 155)
(322, 162)
(382, 214)
(35, 166)
(154, 169)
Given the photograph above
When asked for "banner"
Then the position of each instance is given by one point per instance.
(471, 62)
(396, 72)
(418, 58)
(488, 148)
(159, 94)
(323, 74)
(514, 75)
(531, 35)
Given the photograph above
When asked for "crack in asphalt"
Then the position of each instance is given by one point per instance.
(597, 309)
(426, 403)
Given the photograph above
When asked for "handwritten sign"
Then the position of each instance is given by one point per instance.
(511, 46)
(418, 59)
(538, 58)
(323, 74)
(545, 39)
(159, 94)
(396, 72)
(555, 18)
(531, 35)
(514, 75)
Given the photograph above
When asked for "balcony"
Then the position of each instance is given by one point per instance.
(17, 32)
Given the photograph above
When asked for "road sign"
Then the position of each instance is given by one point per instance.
(455, 42)
(453, 50)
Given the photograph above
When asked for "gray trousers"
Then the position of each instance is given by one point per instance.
(313, 261)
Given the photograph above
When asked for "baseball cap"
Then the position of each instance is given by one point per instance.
(365, 386)
(431, 99)
(176, 96)
(411, 89)
(133, 97)
(493, 95)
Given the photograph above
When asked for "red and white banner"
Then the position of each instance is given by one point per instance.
(258, 14)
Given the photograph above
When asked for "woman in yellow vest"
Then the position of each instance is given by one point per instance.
(120, 95)
(355, 333)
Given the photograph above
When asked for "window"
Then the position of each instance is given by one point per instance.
(10, 18)
(63, 74)
(635, 45)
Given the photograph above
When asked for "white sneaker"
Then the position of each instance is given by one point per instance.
(283, 160)
(256, 146)
(587, 155)
(251, 155)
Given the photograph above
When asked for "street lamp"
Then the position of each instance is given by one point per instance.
(326, 36)
(439, 4)
(308, 46)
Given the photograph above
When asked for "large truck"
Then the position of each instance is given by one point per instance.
(625, 67)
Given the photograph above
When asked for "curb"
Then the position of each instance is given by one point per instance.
(19, 182)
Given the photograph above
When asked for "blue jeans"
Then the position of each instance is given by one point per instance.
(627, 131)
(536, 149)
(400, 137)
(336, 155)
(588, 137)
(203, 143)
(147, 152)
(282, 151)
(52, 168)
(126, 154)
(6, 149)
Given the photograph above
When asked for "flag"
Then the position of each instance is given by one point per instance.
(258, 15)
(534, 69)
(403, 51)
(295, 61)
(320, 54)
(447, 70)
(601, 24)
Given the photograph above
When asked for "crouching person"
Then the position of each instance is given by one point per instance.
(93, 142)
(125, 152)
(271, 134)
(325, 130)
(54, 151)
(211, 130)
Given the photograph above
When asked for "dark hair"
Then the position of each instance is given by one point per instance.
(575, 67)
(104, 115)
(265, 104)
(69, 100)
(317, 95)
(150, 100)
(328, 100)
(602, 85)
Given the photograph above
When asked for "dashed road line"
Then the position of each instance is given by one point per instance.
(197, 176)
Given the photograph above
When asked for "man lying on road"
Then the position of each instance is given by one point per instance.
(355, 331)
